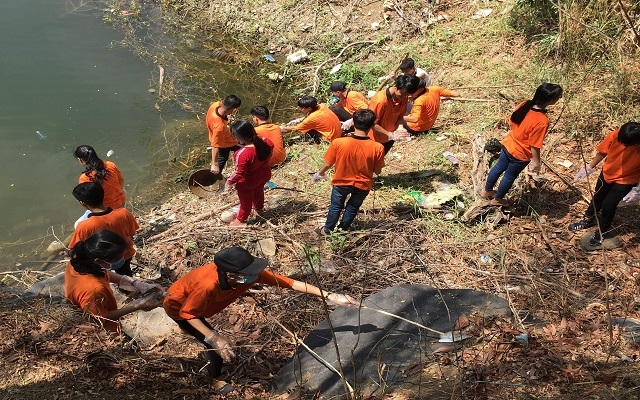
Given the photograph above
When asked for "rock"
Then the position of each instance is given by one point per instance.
(54, 246)
(267, 246)
(52, 287)
(228, 215)
(367, 340)
(148, 326)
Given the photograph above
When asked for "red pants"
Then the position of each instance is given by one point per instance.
(249, 197)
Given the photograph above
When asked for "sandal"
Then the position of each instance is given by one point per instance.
(499, 202)
(226, 388)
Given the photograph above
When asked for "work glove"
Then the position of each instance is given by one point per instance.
(583, 173)
(341, 300)
(346, 125)
(535, 167)
(221, 346)
(632, 196)
(400, 134)
(148, 303)
(138, 285)
(317, 177)
(294, 121)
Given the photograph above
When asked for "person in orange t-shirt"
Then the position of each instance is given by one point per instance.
(320, 122)
(618, 181)
(356, 159)
(529, 125)
(426, 106)
(89, 272)
(222, 141)
(349, 101)
(121, 221)
(104, 173)
(389, 106)
(264, 129)
(205, 291)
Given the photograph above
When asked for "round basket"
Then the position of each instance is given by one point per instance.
(202, 183)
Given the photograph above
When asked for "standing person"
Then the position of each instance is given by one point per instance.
(348, 102)
(90, 196)
(104, 173)
(205, 291)
(265, 129)
(426, 106)
(529, 125)
(251, 171)
(356, 159)
(619, 179)
(222, 142)
(319, 123)
(389, 106)
(91, 269)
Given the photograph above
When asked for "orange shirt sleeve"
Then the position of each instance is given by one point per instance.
(605, 144)
(273, 279)
(196, 304)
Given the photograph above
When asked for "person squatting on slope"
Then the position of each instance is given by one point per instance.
(205, 291)
(349, 101)
(91, 269)
(618, 181)
(251, 172)
(319, 122)
(104, 173)
(521, 146)
(356, 159)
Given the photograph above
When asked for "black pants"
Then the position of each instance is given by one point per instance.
(606, 198)
(341, 113)
(387, 146)
(315, 136)
(214, 368)
(411, 131)
(223, 155)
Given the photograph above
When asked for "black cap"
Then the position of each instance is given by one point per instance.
(338, 86)
(238, 260)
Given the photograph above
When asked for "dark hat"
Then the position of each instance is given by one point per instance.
(238, 260)
(338, 86)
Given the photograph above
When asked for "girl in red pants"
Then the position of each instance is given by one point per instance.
(251, 171)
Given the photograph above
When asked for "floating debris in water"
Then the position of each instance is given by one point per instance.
(110, 153)
(41, 135)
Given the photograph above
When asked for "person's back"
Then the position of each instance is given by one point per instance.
(324, 121)
(274, 134)
(426, 108)
(120, 221)
(356, 159)
(529, 133)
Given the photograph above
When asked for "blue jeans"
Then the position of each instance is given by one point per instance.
(511, 167)
(338, 198)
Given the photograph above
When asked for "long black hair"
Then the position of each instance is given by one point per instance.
(104, 245)
(243, 130)
(92, 163)
(545, 94)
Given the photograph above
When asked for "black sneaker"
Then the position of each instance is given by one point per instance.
(582, 224)
(596, 240)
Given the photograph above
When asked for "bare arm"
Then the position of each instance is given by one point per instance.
(214, 160)
(378, 129)
(597, 159)
(325, 167)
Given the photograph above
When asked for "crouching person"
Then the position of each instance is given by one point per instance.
(207, 290)
(89, 272)
(356, 159)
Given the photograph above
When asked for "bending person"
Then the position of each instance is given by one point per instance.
(89, 272)
(207, 290)
(104, 173)
(521, 146)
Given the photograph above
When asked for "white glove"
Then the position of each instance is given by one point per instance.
(294, 121)
(348, 124)
(583, 173)
(632, 196)
(341, 300)
(147, 303)
(138, 285)
(400, 134)
(221, 346)
(317, 177)
(281, 128)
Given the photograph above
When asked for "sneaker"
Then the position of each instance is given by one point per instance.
(596, 240)
(582, 224)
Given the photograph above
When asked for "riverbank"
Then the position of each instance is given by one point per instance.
(563, 297)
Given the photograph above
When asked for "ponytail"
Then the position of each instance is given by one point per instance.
(263, 150)
(244, 131)
(546, 94)
(93, 164)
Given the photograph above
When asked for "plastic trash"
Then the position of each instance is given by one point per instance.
(269, 58)
(522, 339)
(297, 57)
(449, 156)
(335, 69)
(485, 259)
(41, 135)
(270, 185)
(110, 153)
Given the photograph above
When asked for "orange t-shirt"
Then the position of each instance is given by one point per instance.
(91, 294)
(622, 164)
(322, 120)
(198, 292)
(112, 185)
(388, 112)
(273, 133)
(530, 133)
(219, 134)
(426, 108)
(355, 158)
(353, 102)
(120, 221)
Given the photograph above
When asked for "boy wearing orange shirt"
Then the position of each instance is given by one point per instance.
(220, 137)
(356, 159)
(349, 101)
(121, 221)
(426, 106)
(264, 129)
(320, 122)
(389, 106)
(617, 182)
